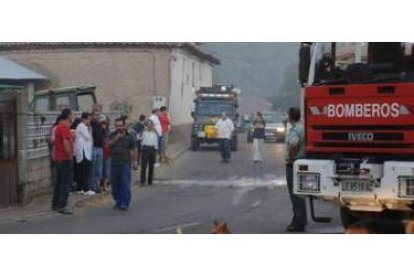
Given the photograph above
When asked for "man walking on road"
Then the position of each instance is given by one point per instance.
(123, 152)
(64, 163)
(295, 149)
(225, 128)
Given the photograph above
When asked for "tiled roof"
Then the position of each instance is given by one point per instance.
(27, 46)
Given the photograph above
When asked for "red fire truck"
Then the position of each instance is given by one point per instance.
(358, 107)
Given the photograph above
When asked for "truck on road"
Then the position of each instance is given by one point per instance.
(210, 103)
(358, 108)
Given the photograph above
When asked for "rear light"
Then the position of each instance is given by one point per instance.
(406, 186)
(309, 182)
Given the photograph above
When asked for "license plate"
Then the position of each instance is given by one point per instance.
(357, 185)
(201, 134)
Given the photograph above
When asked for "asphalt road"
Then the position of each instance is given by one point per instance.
(190, 194)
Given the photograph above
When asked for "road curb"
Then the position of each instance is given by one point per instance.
(179, 153)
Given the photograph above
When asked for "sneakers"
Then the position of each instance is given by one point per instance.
(156, 165)
(89, 193)
(80, 192)
(122, 207)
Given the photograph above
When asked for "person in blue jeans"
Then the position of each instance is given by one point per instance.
(225, 129)
(122, 146)
(97, 151)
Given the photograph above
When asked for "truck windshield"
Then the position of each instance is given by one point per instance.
(208, 108)
(362, 62)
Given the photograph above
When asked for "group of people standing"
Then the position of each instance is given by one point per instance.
(85, 152)
(152, 140)
(295, 149)
(98, 157)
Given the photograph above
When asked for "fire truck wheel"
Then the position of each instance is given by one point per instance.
(348, 217)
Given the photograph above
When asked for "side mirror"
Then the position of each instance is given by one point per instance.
(192, 114)
(304, 62)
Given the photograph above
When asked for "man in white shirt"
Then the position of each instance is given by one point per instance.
(225, 128)
(155, 118)
(149, 153)
(83, 154)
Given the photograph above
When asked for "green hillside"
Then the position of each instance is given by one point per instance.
(260, 69)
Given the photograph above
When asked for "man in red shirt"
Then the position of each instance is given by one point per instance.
(165, 127)
(64, 163)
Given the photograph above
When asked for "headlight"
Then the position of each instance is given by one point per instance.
(280, 129)
(309, 182)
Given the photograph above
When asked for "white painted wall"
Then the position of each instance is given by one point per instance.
(188, 74)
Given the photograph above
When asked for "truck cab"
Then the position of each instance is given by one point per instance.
(358, 108)
(209, 104)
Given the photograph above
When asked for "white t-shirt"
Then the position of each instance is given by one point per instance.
(83, 143)
(149, 139)
(224, 128)
(154, 118)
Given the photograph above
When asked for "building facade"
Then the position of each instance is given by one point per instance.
(131, 77)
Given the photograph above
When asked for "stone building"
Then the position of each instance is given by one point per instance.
(131, 77)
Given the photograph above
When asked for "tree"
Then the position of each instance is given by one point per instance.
(289, 93)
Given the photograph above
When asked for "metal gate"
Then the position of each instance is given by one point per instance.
(8, 153)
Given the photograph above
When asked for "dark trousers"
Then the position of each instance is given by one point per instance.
(298, 203)
(148, 159)
(84, 169)
(139, 150)
(224, 147)
(63, 184)
(75, 175)
(121, 184)
(160, 138)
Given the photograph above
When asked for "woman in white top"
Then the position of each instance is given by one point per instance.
(83, 154)
(149, 149)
